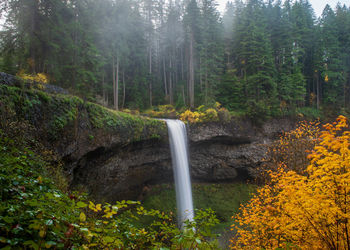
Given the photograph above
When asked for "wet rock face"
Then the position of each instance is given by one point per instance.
(223, 162)
(122, 172)
(218, 153)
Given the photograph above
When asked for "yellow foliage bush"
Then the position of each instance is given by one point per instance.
(189, 116)
(162, 111)
(132, 112)
(201, 108)
(210, 115)
(297, 211)
(217, 105)
(39, 77)
(291, 150)
(204, 114)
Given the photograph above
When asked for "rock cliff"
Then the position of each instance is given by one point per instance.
(218, 153)
(114, 155)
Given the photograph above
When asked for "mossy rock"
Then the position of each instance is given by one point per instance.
(53, 114)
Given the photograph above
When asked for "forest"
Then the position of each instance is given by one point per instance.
(270, 58)
(258, 87)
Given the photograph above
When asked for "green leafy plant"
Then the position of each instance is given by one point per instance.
(35, 214)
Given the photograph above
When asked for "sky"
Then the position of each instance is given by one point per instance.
(317, 5)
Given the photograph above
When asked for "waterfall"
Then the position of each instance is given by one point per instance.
(179, 155)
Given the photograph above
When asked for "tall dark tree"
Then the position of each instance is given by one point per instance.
(254, 59)
(192, 20)
(210, 51)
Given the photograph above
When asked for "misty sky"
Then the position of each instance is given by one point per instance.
(317, 5)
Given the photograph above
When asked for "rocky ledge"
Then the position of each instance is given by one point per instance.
(113, 155)
(218, 153)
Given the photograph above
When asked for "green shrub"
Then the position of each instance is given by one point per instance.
(210, 115)
(309, 113)
(162, 111)
(34, 213)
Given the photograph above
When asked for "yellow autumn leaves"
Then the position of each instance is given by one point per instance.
(108, 210)
(209, 115)
(39, 77)
(309, 210)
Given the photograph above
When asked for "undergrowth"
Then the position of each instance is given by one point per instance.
(224, 198)
(38, 211)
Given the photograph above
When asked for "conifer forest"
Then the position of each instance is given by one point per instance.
(258, 57)
(168, 124)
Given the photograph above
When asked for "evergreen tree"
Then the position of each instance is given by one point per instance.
(254, 59)
(192, 20)
(290, 81)
(211, 51)
(332, 77)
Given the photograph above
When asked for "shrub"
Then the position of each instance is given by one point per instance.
(162, 111)
(132, 112)
(34, 213)
(206, 114)
(40, 78)
(224, 115)
(260, 111)
(309, 113)
(189, 116)
(308, 211)
(210, 115)
(291, 150)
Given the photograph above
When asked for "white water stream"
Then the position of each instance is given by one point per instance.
(179, 156)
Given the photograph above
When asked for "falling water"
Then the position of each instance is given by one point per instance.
(179, 155)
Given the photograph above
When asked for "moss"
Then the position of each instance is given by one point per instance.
(56, 113)
(134, 126)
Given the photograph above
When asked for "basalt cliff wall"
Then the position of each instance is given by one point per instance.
(218, 153)
(113, 155)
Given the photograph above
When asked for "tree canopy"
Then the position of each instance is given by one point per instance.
(270, 58)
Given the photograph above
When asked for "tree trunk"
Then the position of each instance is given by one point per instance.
(206, 85)
(183, 94)
(150, 76)
(200, 74)
(191, 74)
(104, 90)
(150, 56)
(164, 76)
(182, 64)
(124, 92)
(33, 28)
(318, 90)
(115, 83)
(117, 86)
(171, 94)
(113, 77)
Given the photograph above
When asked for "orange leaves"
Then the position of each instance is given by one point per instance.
(326, 79)
(291, 151)
(309, 211)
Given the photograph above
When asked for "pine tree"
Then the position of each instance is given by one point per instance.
(192, 20)
(291, 84)
(254, 60)
(210, 50)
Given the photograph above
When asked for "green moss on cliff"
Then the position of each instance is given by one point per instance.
(55, 114)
